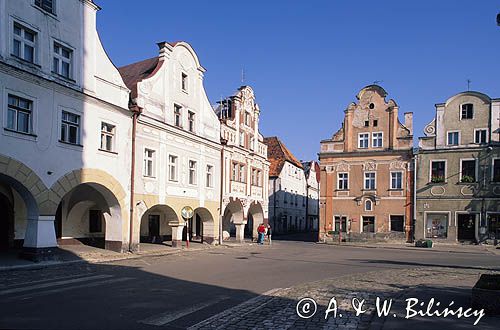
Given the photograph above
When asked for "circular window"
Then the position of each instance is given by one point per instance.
(372, 106)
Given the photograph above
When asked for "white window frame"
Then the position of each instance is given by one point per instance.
(78, 126)
(177, 106)
(367, 140)
(448, 138)
(184, 81)
(23, 41)
(209, 177)
(175, 165)
(242, 172)
(40, 7)
(374, 180)
(105, 133)
(445, 168)
(371, 205)
(62, 59)
(342, 179)
(381, 139)
(481, 129)
(473, 111)
(475, 169)
(31, 130)
(145, 161)
(390, 180)
(242, 139)
(191, 122)
(194, 171)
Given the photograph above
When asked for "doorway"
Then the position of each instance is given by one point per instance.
(6, 224)
(154, 228)
(466, 224)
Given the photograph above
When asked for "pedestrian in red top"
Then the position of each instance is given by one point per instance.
(261, 230)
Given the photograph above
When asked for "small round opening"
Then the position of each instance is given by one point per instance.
(372, 106)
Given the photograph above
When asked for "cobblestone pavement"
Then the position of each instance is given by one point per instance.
(276, 309)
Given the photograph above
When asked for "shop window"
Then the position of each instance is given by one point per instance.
(437, 225)
(369, 224)
(397, 223)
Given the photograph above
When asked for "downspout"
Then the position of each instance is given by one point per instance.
(136, 111)
(414, 217)
(223, 142)
(274, 206)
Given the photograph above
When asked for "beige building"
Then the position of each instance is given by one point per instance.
(366, 172)
(245, 168)
(177, 149)
(458, 171)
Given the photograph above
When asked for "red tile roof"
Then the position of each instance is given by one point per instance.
(135, 72)
(278, 154)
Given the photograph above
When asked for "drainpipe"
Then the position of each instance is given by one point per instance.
(136, 111)
(414, 217)
(223, 142)
(274, 206)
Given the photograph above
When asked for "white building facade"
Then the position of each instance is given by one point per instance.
(312, 174)
(287, 189)
(177, 148)
(64, 147)
(245, 166)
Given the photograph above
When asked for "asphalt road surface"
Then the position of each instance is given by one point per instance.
(176, 291)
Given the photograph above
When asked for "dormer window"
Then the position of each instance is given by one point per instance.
(467, 111)
(184, 83)
(46, 5)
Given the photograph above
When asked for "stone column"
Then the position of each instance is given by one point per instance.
(40, 239)
(240, 232)
(177, 228)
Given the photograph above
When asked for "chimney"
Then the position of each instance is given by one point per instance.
(409, 121)
(164, 48)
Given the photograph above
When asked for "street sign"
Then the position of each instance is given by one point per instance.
(187, 212)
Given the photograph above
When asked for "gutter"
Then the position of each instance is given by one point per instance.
(223, 142)
(136, 112)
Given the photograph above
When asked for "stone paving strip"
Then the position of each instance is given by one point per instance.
(276, 309)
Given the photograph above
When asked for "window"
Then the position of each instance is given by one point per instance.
(247, 118)
(397, 223)
(210, 175)
(453, 138)
(467, 111)
(377, 140)
(375, 123)
(191, 121)
(496, 170)
(95, 221)
(438, 171)
(192, 172)
(369, 180)
(343, 181)
(437, 225)
(149, 162)
(107, 136)
(367, 123)
(46, 5)
(19, 114)
(480, 136)
(234, 174)
(396, 180)
(468, 171)
(368, 205)
(340, 224)
(24, 43)
(184, 84)
(242, 139)
(363, 140)
(177, 115)
(62, 60)
(70, 128)
(172, 168)
(369, 224)
(242, 173)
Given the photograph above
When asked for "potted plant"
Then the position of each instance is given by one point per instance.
(437, 179)
(467, 179)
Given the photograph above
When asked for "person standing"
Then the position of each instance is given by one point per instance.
(261, 232)
(269, 233)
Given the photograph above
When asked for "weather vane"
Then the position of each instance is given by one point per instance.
(468, 84)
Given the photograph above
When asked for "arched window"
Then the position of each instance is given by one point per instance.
(368, 205)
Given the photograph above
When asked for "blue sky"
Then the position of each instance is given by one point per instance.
(306, 60)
